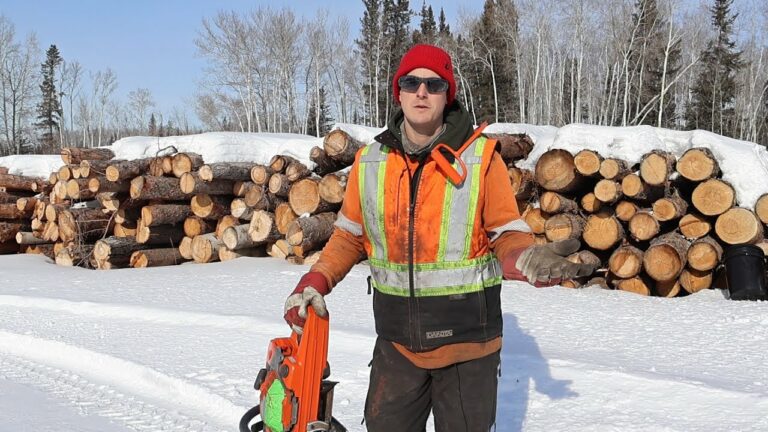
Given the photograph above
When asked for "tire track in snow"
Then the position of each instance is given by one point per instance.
(154, 395)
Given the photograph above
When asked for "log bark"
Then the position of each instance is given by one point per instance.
(694, 281)
(205, 248)
(93, 168)
(304, 198)
(260, 174)
(195, 226)
(79, 189)
(615, 169)
(332, 187)
(284, 217)
(669, 208)
(3, 170)
(624, 210)
(587, 162)
(160, 188)
(52, 211)
(590, 203)
(9, 229)
(739, 226)
(159, 235)
(241, 187)
(312, 232)
(713, 197)
(126, 170)
(227, 171)
(10, 211)
(666, 257)
(564, 226)
(340, 146)
(761, 208)
(39, 249)
(643, 226)
(608, 191)
(258, 198)
(75, 155)
(127, 215)
(191, 183)
(704, 254)
(100, 184)
(225, 254)
(157, 166)
(536, 218)
(20, 183)
(156, 258)
(556, 171)
(116, 246)
(603, 231)
(634, 187)
(279, 185)
(8, 198)
(185, 162)
(164, 214)
(210, 206)
(126, 229)
(28, 238)
(512, 147)
(240, 209)
(324, 164)
(523, 182)
(656, 167)
(694, 226)
(263, 227)
(296, 171)
(74, 255)
(83, 224)
(279, 163)
(698, 164)
(553, 202)
(626, 261)
(238, 237)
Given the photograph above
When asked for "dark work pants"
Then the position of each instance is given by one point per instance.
(401, 395)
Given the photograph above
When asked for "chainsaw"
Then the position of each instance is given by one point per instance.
(294, 395)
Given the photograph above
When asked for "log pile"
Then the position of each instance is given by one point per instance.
(658, 227)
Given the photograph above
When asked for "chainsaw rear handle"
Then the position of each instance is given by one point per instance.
(247, 417)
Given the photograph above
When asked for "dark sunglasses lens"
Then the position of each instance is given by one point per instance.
(436, 85)
(409, 83)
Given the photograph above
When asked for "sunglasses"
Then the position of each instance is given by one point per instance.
(411, 84)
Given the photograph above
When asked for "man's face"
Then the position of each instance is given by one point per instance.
(422, 109)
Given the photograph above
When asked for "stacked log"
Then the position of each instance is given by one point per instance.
(659, 227)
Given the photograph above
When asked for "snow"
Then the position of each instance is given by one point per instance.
(178, 348)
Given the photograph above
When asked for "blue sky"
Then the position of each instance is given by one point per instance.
(149, 43)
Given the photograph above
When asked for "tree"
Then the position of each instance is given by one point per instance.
(17, 88)
(427, 32)
(319, 121)
(152, 129)
(49, 111)
(714, 91)
(396, 20)
(369, 48)
(140, 100)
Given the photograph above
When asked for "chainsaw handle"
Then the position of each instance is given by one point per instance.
(454, 176)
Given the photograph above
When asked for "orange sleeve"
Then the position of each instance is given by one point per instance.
(500, 210)
(345, 247)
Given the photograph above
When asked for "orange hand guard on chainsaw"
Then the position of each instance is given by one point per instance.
(446, 167)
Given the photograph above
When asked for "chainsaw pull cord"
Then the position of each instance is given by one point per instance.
(453, 175)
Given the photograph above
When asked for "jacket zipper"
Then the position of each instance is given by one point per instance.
(414, 184)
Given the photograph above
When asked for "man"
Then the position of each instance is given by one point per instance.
(431, 206)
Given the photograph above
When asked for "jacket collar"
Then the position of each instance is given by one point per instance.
(458, 128)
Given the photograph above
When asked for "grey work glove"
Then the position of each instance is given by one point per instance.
(309, 296)
(547, 263)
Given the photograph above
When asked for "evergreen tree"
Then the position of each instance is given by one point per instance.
(153, 125)
(443, 29)
(494, 81)
(49, 111)
(326, 121)
(713, 93)
(427, 33)
(396, 20)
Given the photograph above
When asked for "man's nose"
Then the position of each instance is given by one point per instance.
(422, 90)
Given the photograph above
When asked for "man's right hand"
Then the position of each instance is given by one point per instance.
(309, 291)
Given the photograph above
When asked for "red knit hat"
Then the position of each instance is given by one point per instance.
(430, 57)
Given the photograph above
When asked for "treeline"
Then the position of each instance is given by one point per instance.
(668, 63)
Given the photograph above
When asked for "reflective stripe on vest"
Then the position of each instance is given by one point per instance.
(453, 272)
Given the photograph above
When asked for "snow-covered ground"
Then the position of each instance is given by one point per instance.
(178, 348)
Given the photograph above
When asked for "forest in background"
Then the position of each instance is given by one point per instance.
(669, 63)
